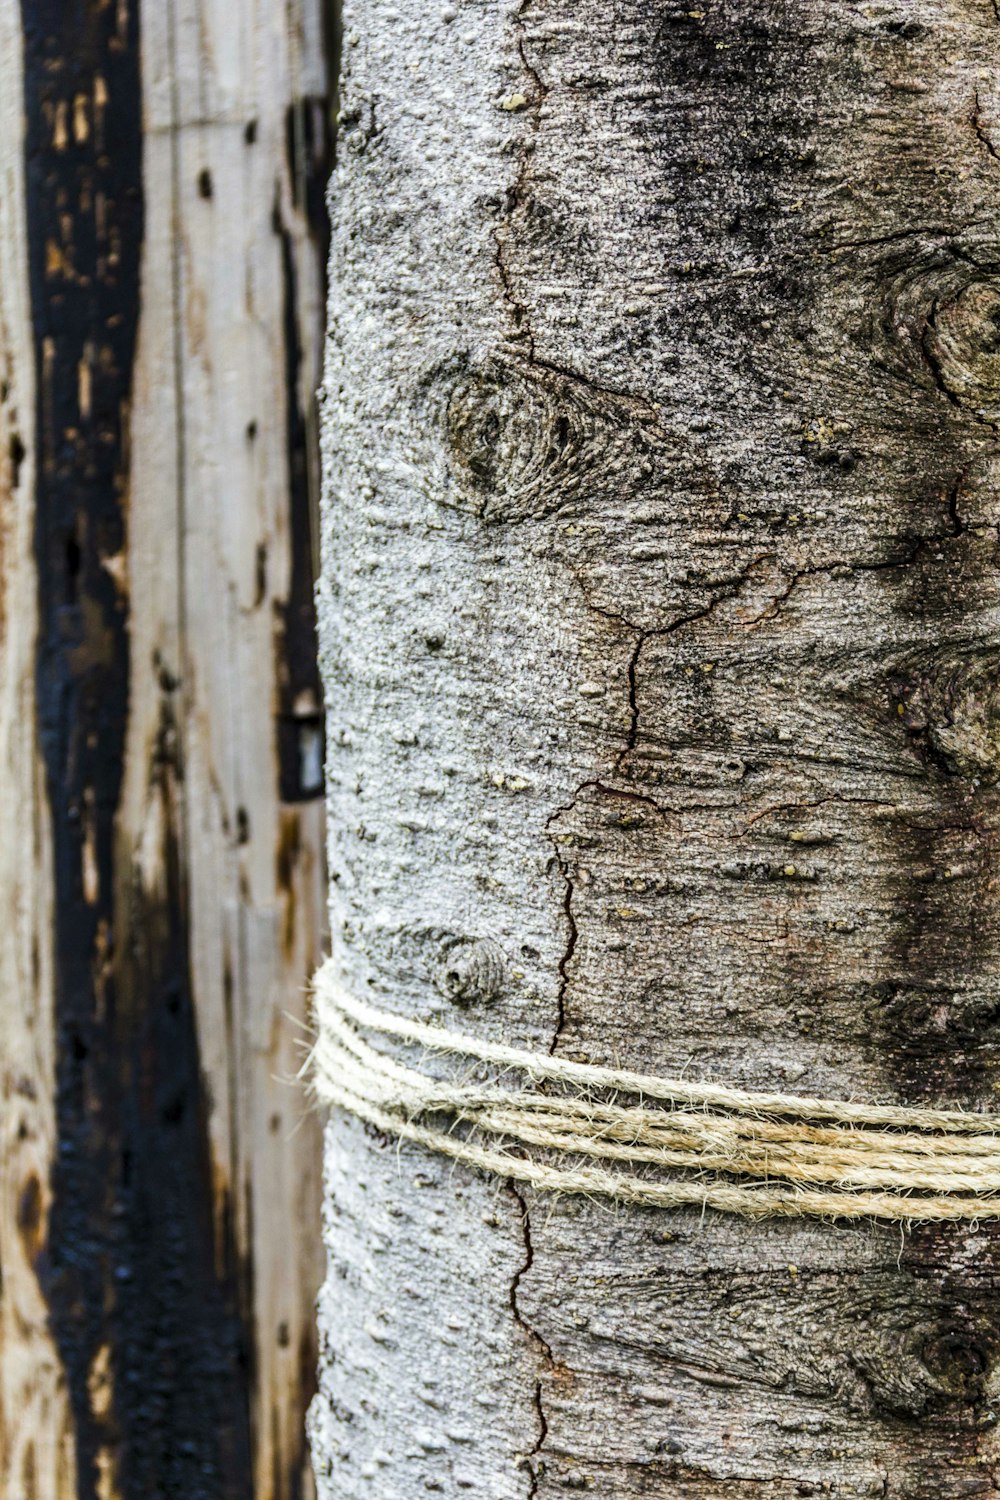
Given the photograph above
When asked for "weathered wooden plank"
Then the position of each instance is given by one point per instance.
(169, 232)
(247, 276)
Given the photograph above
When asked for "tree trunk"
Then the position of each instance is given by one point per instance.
(161, 862)
(659, 625)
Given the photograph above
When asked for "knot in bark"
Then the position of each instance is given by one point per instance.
(951, 707)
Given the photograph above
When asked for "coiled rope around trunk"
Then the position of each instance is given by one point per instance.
(665, 1142)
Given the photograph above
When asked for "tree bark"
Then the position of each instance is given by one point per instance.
(659, 626)
(161, 865)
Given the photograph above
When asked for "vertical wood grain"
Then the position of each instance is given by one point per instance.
(36, 1441)
(159, 510)
(247, 277)
(241, 251)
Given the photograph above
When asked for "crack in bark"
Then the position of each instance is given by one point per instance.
(945, 231)
(957, 527)
(519, 317)
(519, 309)
(572, 935)
(529, 67)
(613, 615)
(954, 494)
(641, 405)
(633, 699)
(931, 360)
(917, 545)
(534, 1337)
(778, 807)
(731, 591)
(626, 794)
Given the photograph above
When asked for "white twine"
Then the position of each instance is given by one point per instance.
(678, 1142)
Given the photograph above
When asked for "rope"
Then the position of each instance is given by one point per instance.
(561, 1126)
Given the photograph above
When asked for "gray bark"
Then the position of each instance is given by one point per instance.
(659, 631)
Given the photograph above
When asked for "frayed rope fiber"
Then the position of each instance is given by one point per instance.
(570, 1127)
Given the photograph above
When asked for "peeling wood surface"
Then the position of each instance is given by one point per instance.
(659, 634)
(166, 224)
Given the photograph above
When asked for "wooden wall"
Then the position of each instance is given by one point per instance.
(161, 829)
